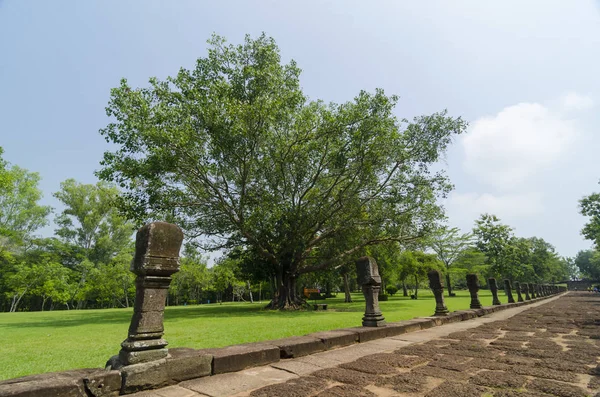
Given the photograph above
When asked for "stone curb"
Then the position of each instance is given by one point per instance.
(185, 363)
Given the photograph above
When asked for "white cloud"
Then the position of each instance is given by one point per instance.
(574, 101)
(505, 150)
(470, 205)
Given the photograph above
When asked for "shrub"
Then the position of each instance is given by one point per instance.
(391, 290)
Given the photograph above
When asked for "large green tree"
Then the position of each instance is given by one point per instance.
(590, 206)
(91, 225)
(235, 152)
(448, 244)
(20, 212)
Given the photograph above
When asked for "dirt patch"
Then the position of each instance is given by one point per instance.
(349, 376)
(556, 388)
(455, 389)
(498, 379)
(397, 360)
(370, 367)
(344, 391)
(404, 383)
(300, 387)
(546, 373)
(442, 373)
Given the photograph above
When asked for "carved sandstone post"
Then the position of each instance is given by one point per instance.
(494, 289)
(532, 290)
(473, 285)
(156, 259)
(369, 278)
(518, 290)
(508, 291)
(526, 289)
(435, 283)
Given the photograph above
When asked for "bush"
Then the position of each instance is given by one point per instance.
(383, 297)
(391, 290)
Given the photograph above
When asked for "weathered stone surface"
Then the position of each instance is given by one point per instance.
(103, 383)
(366, 334)
(402, 327)
(144, 376)
(473, 285)
(156, 258)
(508, 291)
(335, 338)
(238, 357)
(184, 364)
(54, 384)
(435, 283)
(298, 346)
(494, 290)
(370, 280)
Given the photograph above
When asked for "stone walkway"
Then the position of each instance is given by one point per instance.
(550, 348)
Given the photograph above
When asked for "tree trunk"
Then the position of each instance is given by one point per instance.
(448, 285)
(286, 296)
(416, 287)
(250, 292)
(404, 289)
(348, 298)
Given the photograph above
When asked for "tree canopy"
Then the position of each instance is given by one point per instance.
(236, 153)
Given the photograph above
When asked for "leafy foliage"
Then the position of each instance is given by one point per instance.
(235, 152)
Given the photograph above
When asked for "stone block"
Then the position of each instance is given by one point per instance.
(335, 338)
(402, 327)
(184, 364)
(424, 322)
(466, 314)
(238, 357)
(144, 376)
(366, 334)
(298, 346)
(478, 312)
(152, 299)
(103, 383)
(54, 384)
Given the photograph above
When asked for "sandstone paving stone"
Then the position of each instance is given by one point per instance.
(348, 376)
(404, 383)
(370, 367)
(498, 379)
(441, 373)
(518, 393)
(546, 373)
(558, 389)
(456, 389)
(301, 387)
(484, 363)
(560, 364)
(346, 391)
(398, 360)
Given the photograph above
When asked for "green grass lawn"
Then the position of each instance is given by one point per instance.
(53, 341)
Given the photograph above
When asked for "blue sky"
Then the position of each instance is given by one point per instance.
(525, 74)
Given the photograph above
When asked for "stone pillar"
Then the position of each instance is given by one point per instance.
(526, 290)
(494, 289)
(473, 285)
(518, 291)
(156, 259)
(369, 278)
(532, 290)
(435, 283)
(508, 291)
